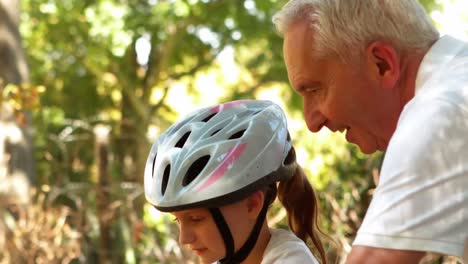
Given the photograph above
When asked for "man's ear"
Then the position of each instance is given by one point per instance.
(255, 203)
(384, 63)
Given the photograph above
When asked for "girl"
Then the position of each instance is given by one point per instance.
(217, 170)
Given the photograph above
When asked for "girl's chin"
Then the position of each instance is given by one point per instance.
(207, 260)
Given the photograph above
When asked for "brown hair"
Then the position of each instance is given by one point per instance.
(302, 216)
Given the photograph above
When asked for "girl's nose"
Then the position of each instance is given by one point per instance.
(186, 236)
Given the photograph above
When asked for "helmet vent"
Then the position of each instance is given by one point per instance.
(215, 132)
(154, 162)
(165, 178)
(291, 157)
(209, 117)
(237, 134)
(195, 170)
(254, 112)
(288, 138)
(179, 125)
(182, 140)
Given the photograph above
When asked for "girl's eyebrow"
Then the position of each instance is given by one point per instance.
(188, 213)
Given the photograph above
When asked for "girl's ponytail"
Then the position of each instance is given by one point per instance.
(300, 201)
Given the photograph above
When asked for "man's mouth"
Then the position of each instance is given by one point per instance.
(343, 129)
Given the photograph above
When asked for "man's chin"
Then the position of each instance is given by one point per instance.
(367, 143)
(368, 149)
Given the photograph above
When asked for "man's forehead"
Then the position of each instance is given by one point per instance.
(297, 35)
(298, 43)
(297, 29)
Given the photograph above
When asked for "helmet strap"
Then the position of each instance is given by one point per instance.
(245, 250)
(224, 230)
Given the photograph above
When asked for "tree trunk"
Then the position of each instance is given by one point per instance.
(16, 156)
(103, 199)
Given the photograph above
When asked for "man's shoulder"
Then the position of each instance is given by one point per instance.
(444, 66)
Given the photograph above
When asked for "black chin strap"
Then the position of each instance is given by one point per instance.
(224, 230)
(244, 251)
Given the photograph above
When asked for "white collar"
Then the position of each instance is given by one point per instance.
(441, 53)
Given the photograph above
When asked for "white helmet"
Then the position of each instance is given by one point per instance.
(219, 155)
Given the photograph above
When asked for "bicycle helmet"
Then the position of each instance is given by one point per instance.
(219, 155)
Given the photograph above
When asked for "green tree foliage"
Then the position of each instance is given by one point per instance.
(84, 53)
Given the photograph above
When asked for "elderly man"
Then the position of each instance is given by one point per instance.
(378, 71)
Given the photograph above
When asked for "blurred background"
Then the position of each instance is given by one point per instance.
(87, 85)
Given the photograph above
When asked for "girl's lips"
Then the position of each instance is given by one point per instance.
(199, 251)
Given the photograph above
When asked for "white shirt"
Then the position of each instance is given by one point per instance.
(421, 202)
(285, 247)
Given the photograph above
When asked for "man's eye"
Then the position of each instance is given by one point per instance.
(311, 89)
(308, 89)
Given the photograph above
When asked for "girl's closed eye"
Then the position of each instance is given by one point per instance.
(197, 219)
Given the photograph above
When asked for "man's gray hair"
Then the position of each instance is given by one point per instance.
(345, 26)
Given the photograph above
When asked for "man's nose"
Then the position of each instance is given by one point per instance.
(314, 119)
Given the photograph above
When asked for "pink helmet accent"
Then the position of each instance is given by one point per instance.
(231, 157)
